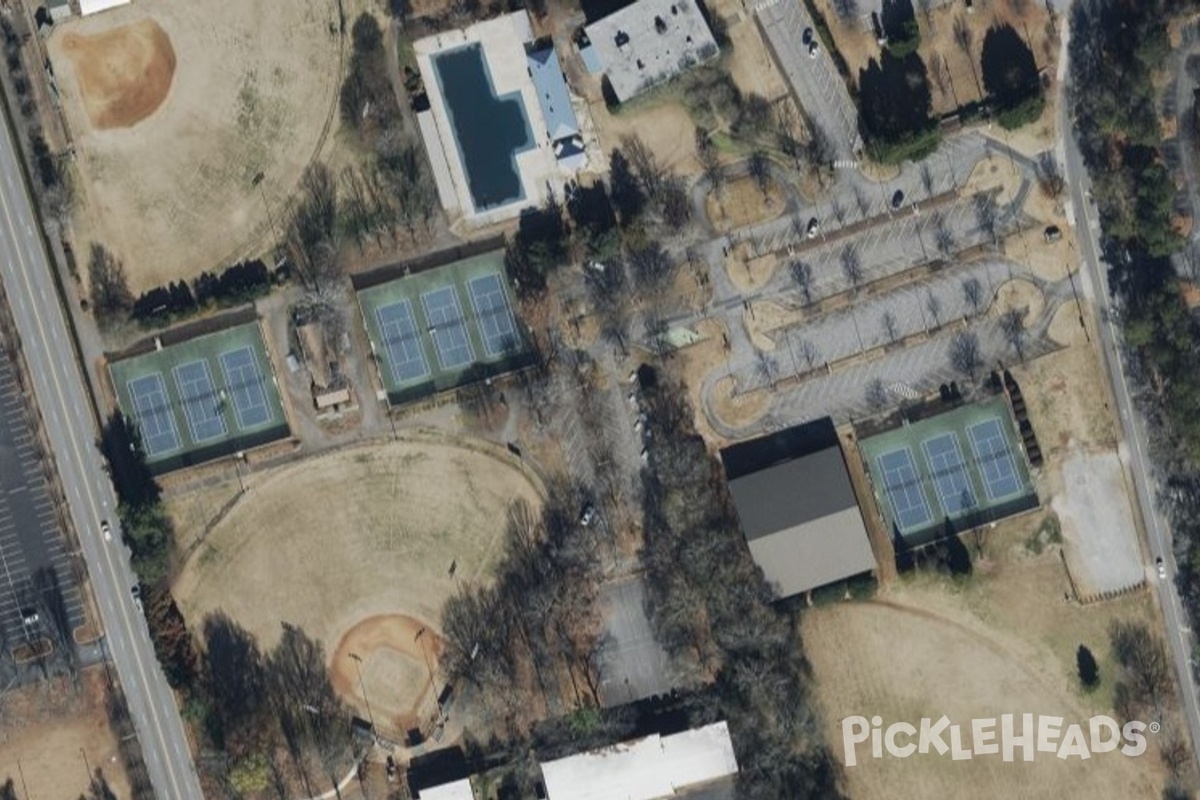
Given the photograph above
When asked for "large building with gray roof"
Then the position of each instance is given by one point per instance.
(649, 42)
(797, 508)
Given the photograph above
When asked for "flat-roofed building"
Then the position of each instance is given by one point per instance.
(649, 42)
(797, 507)
(89, 7)
(458, 790)
(652, 768)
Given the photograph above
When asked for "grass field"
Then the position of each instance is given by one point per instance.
(174, 106)
(364, 533)
(1003, 642)
(48, 729)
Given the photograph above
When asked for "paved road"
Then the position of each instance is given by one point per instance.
(1087, 229)
(60, 392)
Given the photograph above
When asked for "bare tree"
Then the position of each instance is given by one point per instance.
(820, 152)
(877, 394)
(785, 136)
(673, 201)
(934, 306)
(809, 352)
(645, 164)
(109, 288)
(965, 40)
(312, 230)
(766, 367)
(802, 275)
(927, 178)
(943, 239)
(973, 293)
(889, 326)
(965, 353)
(1012, 325)
(846, 9)
(987, 215)
(652, 269)
(760, 169)
(851, 266)
(839, 213)
(861, 201)
(710, 159)
(1050, 176)
(926, 7)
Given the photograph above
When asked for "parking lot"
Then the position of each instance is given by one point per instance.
(39, 598)
(633, 665)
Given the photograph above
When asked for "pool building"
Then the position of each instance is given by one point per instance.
(501, 129)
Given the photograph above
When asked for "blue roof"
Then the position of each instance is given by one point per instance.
(591, 60)
(552, 94)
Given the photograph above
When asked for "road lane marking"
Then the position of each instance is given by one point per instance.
(81, 464)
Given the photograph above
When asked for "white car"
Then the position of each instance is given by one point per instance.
(1162, 568)
(106, 530)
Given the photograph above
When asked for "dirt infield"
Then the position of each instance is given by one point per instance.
(253, 90)
(355, 547)
(397, 663)
(124, 74)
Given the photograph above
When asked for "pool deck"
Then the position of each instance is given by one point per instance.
(503, 44)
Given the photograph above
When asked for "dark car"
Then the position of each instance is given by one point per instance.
(897, 199)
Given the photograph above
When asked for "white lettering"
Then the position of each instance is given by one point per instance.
(933, 735)
(1132, 733)
(1097, 725)
(1073, 744)
(854, 730)
(1010, 741)
(957, 752)
(983, 737)
(1048, 729)
(889, 739)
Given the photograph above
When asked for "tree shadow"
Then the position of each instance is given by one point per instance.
(1010, 72)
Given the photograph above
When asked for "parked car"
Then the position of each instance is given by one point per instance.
(588, 515)
(813, 228)
(1162, 568)
(106, 530)
(1052, 234)
(897, 199)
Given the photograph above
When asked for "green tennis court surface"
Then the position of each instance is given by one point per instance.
(444, 326)
(954, 471)
(202, 398)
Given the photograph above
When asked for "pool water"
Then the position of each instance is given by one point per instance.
(488, 130)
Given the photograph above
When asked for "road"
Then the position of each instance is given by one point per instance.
(62, 399)
(1087, 230)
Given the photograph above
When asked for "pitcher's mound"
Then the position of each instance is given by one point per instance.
(396, 665)
(124, 74)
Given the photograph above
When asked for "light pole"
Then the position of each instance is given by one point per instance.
(437, 701)
(257, 181)
(363, 687)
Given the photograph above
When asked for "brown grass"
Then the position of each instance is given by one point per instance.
(371, 530)
(740, 203)
(1003, 642)
(48, 728)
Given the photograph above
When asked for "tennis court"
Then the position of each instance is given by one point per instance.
(955, 470)
(438, 327)
(201, 398)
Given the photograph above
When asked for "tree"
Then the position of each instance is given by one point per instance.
(99, 789)
(673, 200)
(760, 169)
(846, 9)
(934, 306)
(1010, 76)
(650, 173)
(1050, 176)
(877, 394)
(972, 291)
(1089, 670)
(802, 276)
(8, 790)
(109, 288)
(965, 40)
(627, 196)
(652, 269)
(889, 326)
(943, 239)
(851, 266)
(987, 215)
(1012, 325)
(312, 230)
(927, 178)
(710, 159)
(964, 353)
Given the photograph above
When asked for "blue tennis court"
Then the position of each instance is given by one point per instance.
(201, 405)
(493, 314)
(152, 412)
(446, 327)
(903, 486)
(245, 382)
(996, 464)
(949, 474)
(406, 356)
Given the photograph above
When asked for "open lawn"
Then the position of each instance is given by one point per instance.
(952, 80)
(365, 533)
(46, 732)
(1002, 643)
(175, 106)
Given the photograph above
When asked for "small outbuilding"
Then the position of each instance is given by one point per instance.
(797, 507)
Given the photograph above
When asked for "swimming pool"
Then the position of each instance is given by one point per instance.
(489, 131)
